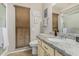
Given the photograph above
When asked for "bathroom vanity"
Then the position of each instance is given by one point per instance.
(46, 50)
(56, 46)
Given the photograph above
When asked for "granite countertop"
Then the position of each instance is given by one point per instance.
(68, 47)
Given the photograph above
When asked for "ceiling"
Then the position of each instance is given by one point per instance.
(60, 6)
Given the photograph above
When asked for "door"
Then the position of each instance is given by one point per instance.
(22, 26)
(55, 22)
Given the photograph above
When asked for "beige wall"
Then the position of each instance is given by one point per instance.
(49, 6)
(11, 22)
(11, 26)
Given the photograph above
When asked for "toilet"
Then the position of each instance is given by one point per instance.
(34, 45)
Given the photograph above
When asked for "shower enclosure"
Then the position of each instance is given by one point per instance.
(3, 31)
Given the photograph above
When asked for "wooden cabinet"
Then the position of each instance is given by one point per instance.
(39, 42)
(40, 51)
(45, 50)
(48, 49)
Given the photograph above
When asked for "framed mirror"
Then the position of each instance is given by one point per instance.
(71, 20)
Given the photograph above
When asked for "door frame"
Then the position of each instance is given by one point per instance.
(15, 23)
(53, 15)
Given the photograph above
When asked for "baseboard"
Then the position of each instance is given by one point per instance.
(19, 50)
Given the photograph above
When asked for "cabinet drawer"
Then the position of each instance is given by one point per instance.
(57, 53)
(47, 48)
(39, 42)
(40, 51)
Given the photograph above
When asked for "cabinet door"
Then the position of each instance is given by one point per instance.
(40, 51)
(48, 49)
(39, 42)
(57, 53)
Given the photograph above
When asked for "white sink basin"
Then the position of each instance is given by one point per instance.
(61, 41)
(46, 35)
(56, 40)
